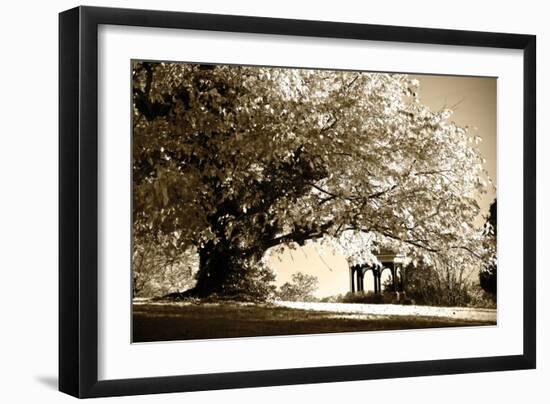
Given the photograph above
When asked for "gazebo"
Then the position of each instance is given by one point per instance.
(388, 259)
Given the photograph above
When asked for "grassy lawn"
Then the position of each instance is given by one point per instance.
(152, 322)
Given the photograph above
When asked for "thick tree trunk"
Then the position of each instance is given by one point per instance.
(217, 270)
(226, 272)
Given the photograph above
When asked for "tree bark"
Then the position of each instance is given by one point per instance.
(217, 268)
(219, 272)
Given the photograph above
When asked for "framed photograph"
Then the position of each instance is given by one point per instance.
(250, 201)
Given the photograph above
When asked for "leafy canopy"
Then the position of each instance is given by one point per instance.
(254, 157)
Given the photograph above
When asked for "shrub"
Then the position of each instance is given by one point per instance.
(438, 286)
(332, 299)
(376, 298)
(369, 297)
(300, 289)
(254, 283)
(481, 299)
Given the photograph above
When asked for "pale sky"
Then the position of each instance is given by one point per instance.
(473, 100)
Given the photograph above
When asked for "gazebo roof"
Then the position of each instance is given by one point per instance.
(387, 255)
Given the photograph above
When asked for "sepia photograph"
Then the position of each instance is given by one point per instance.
(273, 201)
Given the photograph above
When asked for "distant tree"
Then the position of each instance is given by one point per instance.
(235, 160)
(158, 269)
(300, 289)
(488, 273)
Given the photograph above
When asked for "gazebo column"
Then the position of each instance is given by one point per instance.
(403, 278)
(400, 283)
(351, 279)
(394, 277)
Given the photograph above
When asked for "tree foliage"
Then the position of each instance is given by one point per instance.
(158, 270)
(438, 285)
(234, 160)
(301, 288)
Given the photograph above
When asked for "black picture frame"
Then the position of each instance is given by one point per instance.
(78, 201)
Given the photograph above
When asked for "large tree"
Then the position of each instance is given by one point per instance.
(234, 160)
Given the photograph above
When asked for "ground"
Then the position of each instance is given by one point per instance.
(166, 321)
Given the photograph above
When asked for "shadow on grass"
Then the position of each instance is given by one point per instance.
(158, 322)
